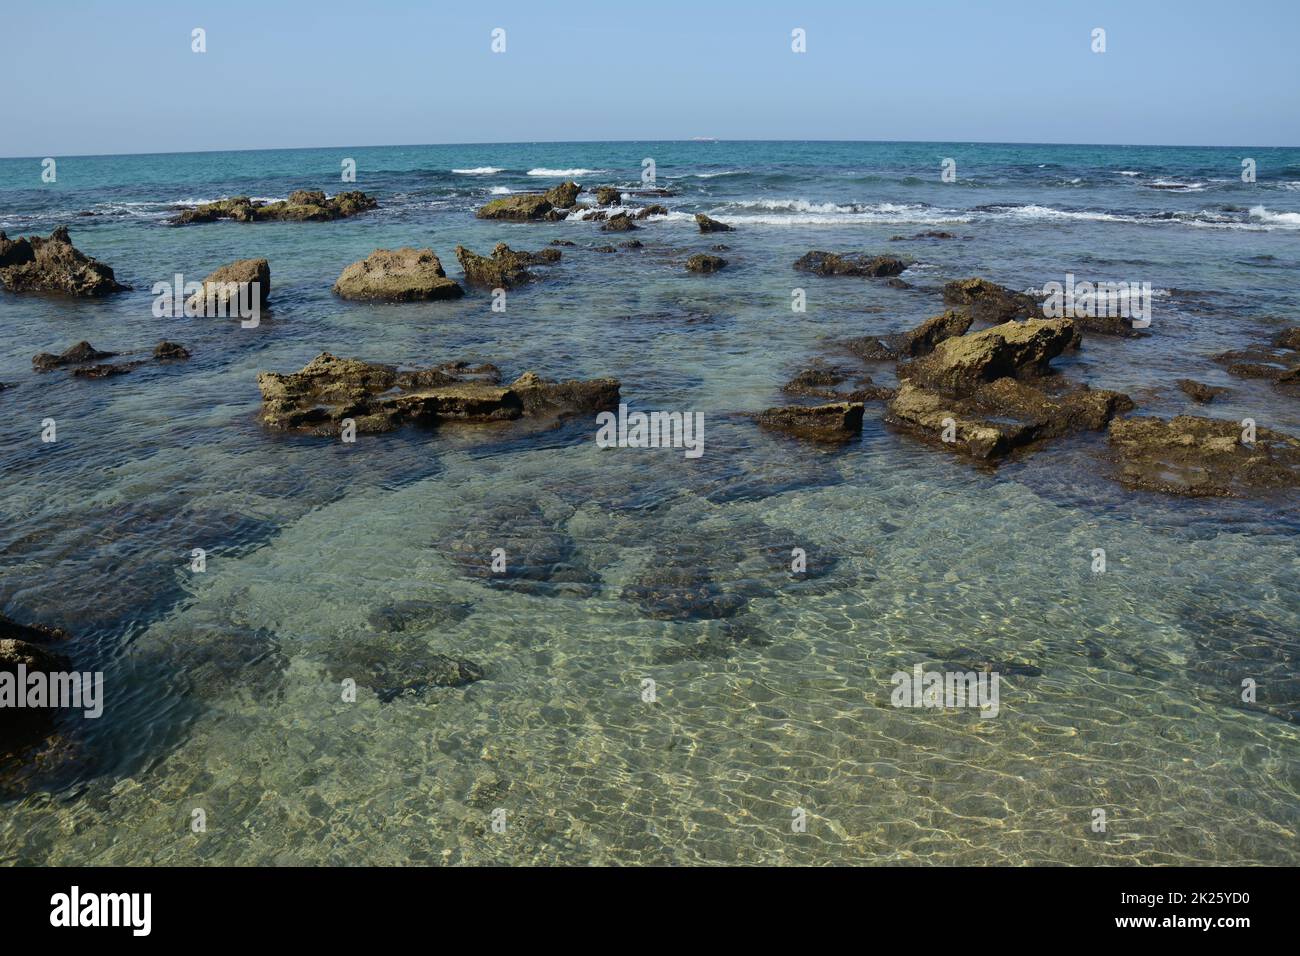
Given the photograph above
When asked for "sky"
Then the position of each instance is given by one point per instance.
(121, 77)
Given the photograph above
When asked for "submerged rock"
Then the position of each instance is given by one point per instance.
(514, 544)
(27, 646)
(703, 262)
(416, 614)
(53, 265)
(505, 268)
(708, 224)
(222, 289)
(1199, 391)
(998, 417)
(989, 302)
(1202, 457)
(379, 398)
(395, 666)
(400, 275)
(834, 422)
(78, 354)
(303, 205)
(832, 264)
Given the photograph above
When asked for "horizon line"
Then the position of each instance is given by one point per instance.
(582, 142)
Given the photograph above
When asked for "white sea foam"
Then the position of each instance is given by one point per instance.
(1289, 220)
(562, 173)
(1129, 172)
(501, 190)
(480, 171)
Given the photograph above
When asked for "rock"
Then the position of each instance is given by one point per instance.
(170, 351)
(652, 210)
(563, 242)
(603, 249)
(831, 264)
(1288, 339)
(78, 354)
(608, 196)
(303, 205)
(381, 398)
(631, 244)
(505, 268)
(1202, 457)
(105, 371)
(1108, 325)
(814, 380)
(411, 615)
(1013, 349)
(620, 222)
(25, 646)
(563, 196)
(915, 343)
(932, 234)
(837, 421)
(401, 275)
(1275, 365)
(396, 667)
(703, 262)
(1001, 416)
(228, 286)
(988, 302)
(707, 224)
(1201, 392)
(519, 208)
(53, 265)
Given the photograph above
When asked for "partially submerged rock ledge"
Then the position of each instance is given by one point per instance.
(303, 205)
(381, 398)
(53, 265)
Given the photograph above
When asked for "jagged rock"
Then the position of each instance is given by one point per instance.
(27, 646)
(832, 264)
(380, 398)
(989, 302)
(303, 205)
(608, 196)
(631, 244)
(708, 224)
(78, 354)
(222, 292)
(619, 222)
(564, 195)
(1275, 365)
(400, 275)
(912, 344)
(1201, 392)
(603, 249)
(563, 242)
(519, 208)
(1013, 349)
(652, 210)
(1201, 457)
(505, 268)
(833, 422)
(1000, 416)
(703, 262)
(53, 265)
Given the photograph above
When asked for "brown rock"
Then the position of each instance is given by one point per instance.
(834, 422)
(505, 268)
(830, 263)
(224, 289)
(53, 265)
(707, 224)
(400, 275)
(703, 262)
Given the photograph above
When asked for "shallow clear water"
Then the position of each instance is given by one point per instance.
(222, 689)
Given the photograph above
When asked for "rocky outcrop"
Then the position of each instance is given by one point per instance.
(53, 265)
(1199, 391)
(832, 264)
(26, 649)
(379, 398)
(988, 302)
(619, 222)
(820, 380)
(524, 207)
(397, 275)
(708, 224)
(223, 290)
(654, 209)
(505, 268)
(608, 196)
(1013, 349)
(303, 205)
(912, 344)
(85, 361)
(998, 417)
(703, 262)
(834, 422)
(1203, 457)
(563, 196)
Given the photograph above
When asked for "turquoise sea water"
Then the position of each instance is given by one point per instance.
(222, 687)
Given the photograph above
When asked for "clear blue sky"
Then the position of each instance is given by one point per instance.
(114, 77)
